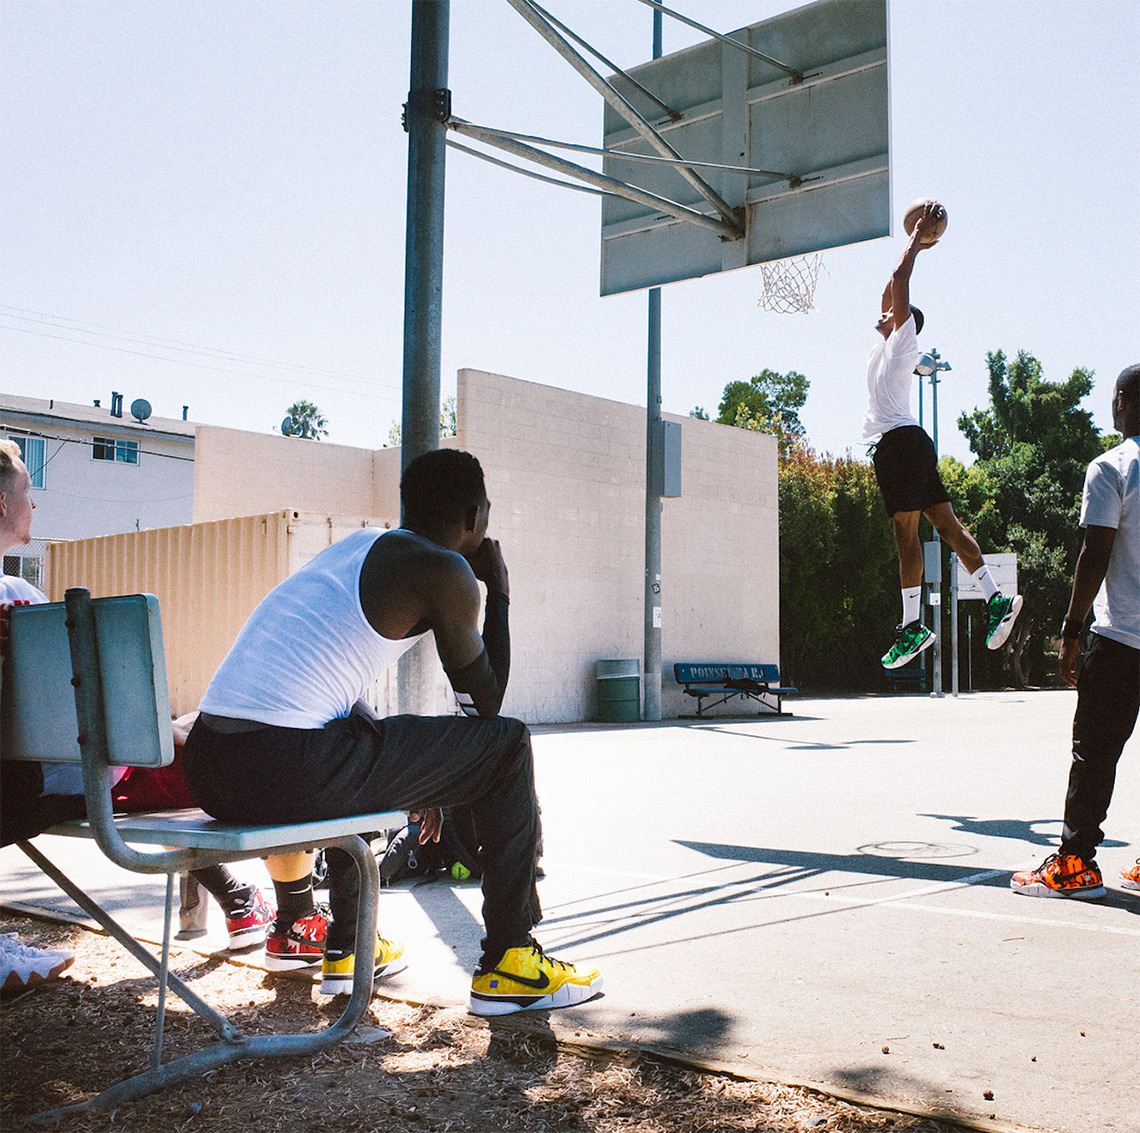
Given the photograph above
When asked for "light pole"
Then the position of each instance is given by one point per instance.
(651, 665)
(930, 365)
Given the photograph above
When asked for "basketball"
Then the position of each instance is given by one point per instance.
(910, 218)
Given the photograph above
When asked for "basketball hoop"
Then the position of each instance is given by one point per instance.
(789, 285)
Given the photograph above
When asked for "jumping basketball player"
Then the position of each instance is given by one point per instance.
(906, 465)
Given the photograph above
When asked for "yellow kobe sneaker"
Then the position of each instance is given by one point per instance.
(526, 979)
(338, 968)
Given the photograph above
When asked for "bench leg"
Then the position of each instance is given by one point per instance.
(193, 908)
(199, 1006)
(257, 1046)
(163, 974)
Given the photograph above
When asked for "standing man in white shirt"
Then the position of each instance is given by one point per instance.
(906, 465)
(1107, 578)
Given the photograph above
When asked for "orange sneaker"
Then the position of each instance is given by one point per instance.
(1061, 875)
(1130, 878)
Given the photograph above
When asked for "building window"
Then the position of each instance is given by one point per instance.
(32, 454)
(122, 452)
(27, 567)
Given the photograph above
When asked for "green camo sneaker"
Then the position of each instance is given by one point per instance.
(911, 641)
(1002, 613)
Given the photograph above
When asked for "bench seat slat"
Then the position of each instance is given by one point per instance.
(194, 829)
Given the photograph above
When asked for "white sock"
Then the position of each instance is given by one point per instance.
(983, 578)
(912, 604)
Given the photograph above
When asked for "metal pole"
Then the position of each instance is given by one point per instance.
(734, 226)
(423, 263)
(969, 652)
(425, 114)
(953, 624)
(936, 587)
(936, 616)
(922, 656)
(934, 407)
(652, 664)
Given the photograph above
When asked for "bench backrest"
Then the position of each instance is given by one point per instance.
(710, 671)
(38, 715)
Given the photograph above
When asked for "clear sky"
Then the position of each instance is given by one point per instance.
(220, 189)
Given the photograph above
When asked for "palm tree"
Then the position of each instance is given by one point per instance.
(304, 420)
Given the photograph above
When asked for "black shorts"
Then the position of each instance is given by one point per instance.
(906, 468)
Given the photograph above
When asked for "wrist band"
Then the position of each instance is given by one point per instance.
(1068, 631)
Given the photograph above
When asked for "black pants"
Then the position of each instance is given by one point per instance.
(357, 765)
(1108, 699)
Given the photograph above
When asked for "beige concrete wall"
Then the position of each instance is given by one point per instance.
(240, 473)
(720, 554)
(566, 476)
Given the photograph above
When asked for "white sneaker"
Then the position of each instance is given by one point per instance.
(22, 966)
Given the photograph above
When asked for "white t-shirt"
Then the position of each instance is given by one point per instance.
(1111, 498)
(307, 653)
(890, 370)
(59, 778)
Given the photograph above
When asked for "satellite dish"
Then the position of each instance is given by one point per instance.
(287, 427)
(140, 409)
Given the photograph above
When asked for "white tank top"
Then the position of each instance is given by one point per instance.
(307, 653)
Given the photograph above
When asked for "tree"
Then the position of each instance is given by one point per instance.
(838, 573)
(1033, 445)
(304, 420)
(767, 403)
(448, 424)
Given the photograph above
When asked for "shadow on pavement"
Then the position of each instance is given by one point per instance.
(1017, 829)
(808, 863)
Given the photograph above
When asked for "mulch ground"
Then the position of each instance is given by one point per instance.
(409, 1068)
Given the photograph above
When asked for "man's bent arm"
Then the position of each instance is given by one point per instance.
(481, 683)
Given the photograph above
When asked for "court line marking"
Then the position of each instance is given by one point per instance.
(905, 899)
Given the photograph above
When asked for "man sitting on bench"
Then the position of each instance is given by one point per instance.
(279, 739)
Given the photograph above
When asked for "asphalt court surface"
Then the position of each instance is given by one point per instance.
(821, 897)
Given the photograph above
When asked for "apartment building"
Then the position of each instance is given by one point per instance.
(99, 469)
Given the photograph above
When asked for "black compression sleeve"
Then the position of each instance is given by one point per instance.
(476, 688)
(497, 636)
(479, 687)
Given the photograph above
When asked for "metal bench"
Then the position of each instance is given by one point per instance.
(760, 683)
(85, 681)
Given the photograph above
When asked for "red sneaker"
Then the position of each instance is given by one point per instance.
(301, 945)
(1130, 878)
(253, 926)
(1061, 875)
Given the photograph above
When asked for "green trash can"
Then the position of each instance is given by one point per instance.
(619, 691)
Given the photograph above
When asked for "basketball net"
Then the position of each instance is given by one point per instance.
(789, 285)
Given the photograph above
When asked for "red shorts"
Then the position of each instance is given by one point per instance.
(153, 788)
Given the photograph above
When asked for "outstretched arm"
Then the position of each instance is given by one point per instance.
(898, 286)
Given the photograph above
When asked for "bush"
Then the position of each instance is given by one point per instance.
(838, 574)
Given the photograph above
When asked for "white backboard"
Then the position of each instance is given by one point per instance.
(832, 130)
(1003, 570)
